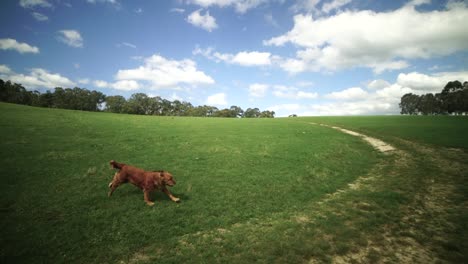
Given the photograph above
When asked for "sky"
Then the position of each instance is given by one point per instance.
(304, 57)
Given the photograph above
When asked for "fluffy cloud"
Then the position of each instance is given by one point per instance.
(177, 10)
(286, 92)
(354, 39)
(382, 97)
(160, 72)
(34, 3)
(112, 2)
(40, 17)
(124, 85)
(241, 6)
(378, 84)
(253, 58)
(258, 89)
(218, 99)
(429, 83)
(335, 4)
(12, 44)
(37, 78)
(354, 93)
(283, 110)
(5, 69)
(205, 21)
(71, 37)
(126, 44)
(243, 58)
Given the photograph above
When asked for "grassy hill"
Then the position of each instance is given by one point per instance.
(252, 190)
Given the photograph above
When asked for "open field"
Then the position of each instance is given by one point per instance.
(264, 190)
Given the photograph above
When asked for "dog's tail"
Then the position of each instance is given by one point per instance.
(116, 165)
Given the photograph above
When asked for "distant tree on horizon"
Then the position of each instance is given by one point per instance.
(138, 103)
(453, 99)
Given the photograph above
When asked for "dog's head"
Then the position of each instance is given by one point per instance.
(167, 178)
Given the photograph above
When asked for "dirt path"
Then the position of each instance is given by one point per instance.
(376, 143)
(427, 231)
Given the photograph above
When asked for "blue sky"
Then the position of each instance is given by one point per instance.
(305, 57)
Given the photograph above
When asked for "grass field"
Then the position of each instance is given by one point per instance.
(252, 190)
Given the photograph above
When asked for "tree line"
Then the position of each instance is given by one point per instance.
(138, 103)
(453, 99)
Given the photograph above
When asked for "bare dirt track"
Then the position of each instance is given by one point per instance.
(428, 229)
(376, 143)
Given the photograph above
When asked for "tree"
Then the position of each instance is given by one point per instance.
(451, 87)
(236, 111)
(267, 114)
(428, 104)
(139, 104)
(115, 104)
(409, 104)
(252, 113)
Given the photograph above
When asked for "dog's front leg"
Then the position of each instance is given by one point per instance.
(114, 184)
(172, 197)
(147, 199)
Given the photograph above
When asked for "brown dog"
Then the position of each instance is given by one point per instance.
(148, 181)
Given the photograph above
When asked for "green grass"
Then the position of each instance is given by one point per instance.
(55, 173)
(442, 131)
(252, 190)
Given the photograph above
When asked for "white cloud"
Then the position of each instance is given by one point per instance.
(34, 3)
(12, 44)
(414, 3)
(205, 21)
(350, 108)
(112, 2)
(101, 84)
(37, 78)
(126, 85)
(5, 69)
(174, 97)
(258, 89)
(253, 58)
(286, 109)
(429, 83)
(83, 81)
(126, 44)
(178, 10)
(354, 39)
(240, 6)
(378, 84)
(165, 73)
(286, 92)
(40, 17)
(71, 38)
(383, 99)
(123, 85)
(353, 93)
(218, 99)
(335, 4)
(243, 58)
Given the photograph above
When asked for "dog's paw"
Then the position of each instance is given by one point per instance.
(177, 200)
(150, 203)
